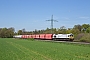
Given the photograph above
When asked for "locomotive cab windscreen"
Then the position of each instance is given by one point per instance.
(71, 35)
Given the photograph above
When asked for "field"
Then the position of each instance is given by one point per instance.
(20, 49)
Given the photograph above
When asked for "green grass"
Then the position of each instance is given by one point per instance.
(20, 49)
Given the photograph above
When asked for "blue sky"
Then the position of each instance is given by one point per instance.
(32, 14)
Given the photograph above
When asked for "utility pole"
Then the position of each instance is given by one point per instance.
(52, 20)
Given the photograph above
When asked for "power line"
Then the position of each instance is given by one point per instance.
(52, 20)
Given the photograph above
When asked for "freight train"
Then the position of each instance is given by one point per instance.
(59, 37)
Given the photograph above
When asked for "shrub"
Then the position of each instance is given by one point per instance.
(79, 36)
(85, 38)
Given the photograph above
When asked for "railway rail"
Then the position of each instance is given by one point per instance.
(66, 42)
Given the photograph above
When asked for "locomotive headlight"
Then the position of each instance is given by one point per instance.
(71, 37)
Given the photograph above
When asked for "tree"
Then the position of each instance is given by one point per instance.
(62, 30)
(6, 32)
(35, 32)
(11, 32)
(79, 27)
(75, 31)
(20, 32)
(85, 27)
(69, 30)
(88, 30)
(54, 30)
(48, 30)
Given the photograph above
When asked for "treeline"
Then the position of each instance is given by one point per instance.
(6, 32)
(81, 32)
(85, 28)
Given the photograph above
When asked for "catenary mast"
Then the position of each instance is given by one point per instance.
(52, 20)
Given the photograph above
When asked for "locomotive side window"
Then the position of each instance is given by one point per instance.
(55, 36)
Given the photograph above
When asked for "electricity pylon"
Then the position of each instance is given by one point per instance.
(52, 20)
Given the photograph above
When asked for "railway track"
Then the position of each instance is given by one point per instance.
(73, 42)
(66, 42)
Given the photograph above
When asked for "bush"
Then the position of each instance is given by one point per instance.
(79, 36)
(85, 38)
